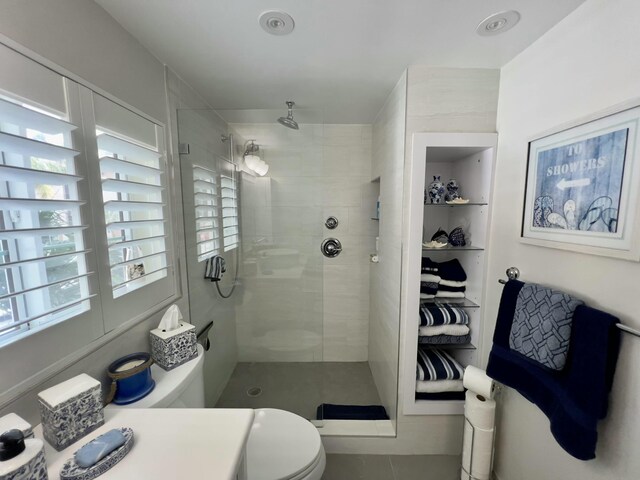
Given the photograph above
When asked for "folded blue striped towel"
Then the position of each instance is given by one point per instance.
(434, 364)
(432, 315)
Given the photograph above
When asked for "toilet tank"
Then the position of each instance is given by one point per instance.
(182, 387)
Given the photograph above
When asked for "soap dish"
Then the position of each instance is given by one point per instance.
(72, 471)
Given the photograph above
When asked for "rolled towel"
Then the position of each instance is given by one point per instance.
(440, 396)
(429, 266)
(431, 315)
(436, 364)
(452, 283)
(438, 386)
(447, 288)
(445, 339)
(428, 277)
(445, 294)
(430, 288)
(451, 270)
(443, 330)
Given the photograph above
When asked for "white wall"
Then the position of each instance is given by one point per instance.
(317, 310)
(587, 63)
(81, 37)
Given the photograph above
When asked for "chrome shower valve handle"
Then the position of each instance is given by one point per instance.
(331, 247)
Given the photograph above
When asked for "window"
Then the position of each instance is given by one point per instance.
(133, 196)
(43, 268)
(205, 196)
(229, 200)
(85, 239)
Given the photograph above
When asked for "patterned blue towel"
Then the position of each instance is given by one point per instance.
(434, 364)
(432, 315)
(541, 328)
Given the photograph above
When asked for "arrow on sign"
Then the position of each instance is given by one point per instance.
(581, 182)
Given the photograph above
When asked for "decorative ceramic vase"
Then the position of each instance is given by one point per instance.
(436, 190)
(452, 190)
(457, 237)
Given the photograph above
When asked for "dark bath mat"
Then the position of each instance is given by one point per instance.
(329, 411)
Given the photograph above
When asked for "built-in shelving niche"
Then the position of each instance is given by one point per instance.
(469, 158)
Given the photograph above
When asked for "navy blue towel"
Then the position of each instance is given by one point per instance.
(575, 398)
(328, 411)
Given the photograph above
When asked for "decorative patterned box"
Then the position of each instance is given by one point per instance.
(12, 421)
(172, 348)
(71, 410)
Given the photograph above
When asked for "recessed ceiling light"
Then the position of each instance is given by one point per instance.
(276, 22)
(498, 23)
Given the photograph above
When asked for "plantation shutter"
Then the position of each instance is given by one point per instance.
(229, 198)
(205, 193)
(43, 265)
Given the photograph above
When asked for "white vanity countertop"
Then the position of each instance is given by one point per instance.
(170, 444)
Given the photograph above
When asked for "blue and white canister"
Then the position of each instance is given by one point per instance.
(436, 190)
(452, 190)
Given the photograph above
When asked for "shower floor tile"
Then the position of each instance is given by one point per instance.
(299, 387)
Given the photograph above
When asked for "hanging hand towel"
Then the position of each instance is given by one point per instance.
(574, 399)
(541, 328)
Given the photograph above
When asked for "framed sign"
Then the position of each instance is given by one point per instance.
(582, 187)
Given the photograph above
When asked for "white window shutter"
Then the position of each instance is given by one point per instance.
(43, 267)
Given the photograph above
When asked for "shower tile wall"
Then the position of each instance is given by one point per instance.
(315, 172)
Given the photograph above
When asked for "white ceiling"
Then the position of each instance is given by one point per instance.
(344, 56)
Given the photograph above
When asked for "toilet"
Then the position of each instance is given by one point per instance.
(281, 445)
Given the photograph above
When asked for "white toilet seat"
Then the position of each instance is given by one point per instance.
(284, 446)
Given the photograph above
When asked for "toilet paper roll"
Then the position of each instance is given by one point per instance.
(480, 411)
(477, 380)
(477, 446)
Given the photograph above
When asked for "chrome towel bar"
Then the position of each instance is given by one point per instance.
(513, 273)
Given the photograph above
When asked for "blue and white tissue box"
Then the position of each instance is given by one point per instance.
(172, 348)
(11, 421)
(71, 410)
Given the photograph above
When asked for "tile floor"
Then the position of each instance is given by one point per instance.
(299, 387)
(392, 467)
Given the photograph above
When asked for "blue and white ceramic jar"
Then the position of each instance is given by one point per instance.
(452, 190)
(436, 190)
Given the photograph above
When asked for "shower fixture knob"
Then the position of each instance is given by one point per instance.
(331, 247)
(331, 223)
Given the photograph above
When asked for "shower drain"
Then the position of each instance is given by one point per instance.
(254, 391)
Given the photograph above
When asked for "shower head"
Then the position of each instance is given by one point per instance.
(288, 121)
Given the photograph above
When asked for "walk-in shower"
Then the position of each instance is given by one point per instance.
(296, 329)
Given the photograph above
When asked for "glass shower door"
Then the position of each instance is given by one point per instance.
(273, 226)
(280, 320)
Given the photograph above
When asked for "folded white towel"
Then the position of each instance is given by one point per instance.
(438, 386)
(445, 294)
(451, 283)
(455, 329)
(427, 277)
(426, 296)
